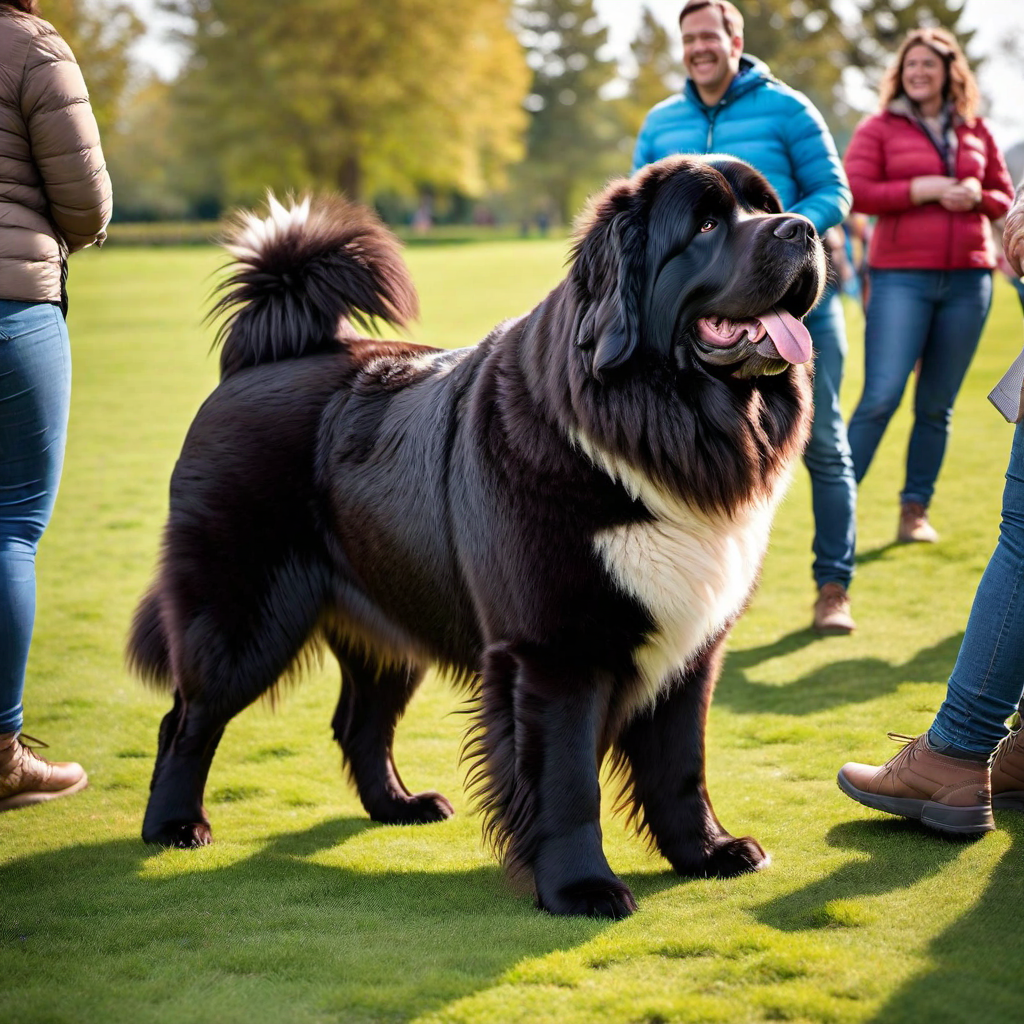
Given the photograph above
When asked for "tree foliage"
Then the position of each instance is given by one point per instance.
(657, 71)
(101, 34)
(574, 133)
(803, 44)
(883, 26)
(401, 97)
(155, 173)
(344, 94)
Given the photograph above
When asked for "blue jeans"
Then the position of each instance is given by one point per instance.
(988, 678)
(933, 315)
(828, 459)
(35, 393)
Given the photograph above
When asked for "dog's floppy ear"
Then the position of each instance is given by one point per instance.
(608, 275)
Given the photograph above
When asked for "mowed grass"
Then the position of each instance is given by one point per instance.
(305, 911)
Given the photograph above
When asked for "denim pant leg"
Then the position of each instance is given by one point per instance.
(35, 392)
(988, 678)
(898, 319)
(960, 314)
(828, 460)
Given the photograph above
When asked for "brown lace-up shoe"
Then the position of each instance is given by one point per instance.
(914, 525)
(28, 779)
(1008, 772)
(945, 793)
(832, 611)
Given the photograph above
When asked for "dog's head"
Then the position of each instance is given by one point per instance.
(692, 259)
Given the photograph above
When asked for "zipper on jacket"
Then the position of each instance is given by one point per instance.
(712, 115)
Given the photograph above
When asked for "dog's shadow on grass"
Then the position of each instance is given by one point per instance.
(284, 920)
(841, 682)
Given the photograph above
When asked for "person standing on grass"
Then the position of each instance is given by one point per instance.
(54, 199)
(733, 104)
(928, 167)
(951, 776)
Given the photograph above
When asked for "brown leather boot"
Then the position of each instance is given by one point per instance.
(914, 525)
(27, 779)
(948, 794)
(832, 611)
(1008, 772)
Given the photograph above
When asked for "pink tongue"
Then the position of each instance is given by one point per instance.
(790, 336)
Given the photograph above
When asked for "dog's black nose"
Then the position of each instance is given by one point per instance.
(794, 229)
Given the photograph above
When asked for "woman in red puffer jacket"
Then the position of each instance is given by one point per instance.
(928, 168)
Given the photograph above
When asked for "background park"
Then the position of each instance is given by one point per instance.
(303, 910)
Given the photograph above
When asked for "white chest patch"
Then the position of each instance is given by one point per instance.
(692, 572)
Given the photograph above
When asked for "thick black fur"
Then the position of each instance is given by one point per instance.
(409, 506)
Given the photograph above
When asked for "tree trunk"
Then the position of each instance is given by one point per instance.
(350, 176)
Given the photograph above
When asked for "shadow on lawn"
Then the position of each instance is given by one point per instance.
(863, 558)
(901, 855)
(974, 972)
(277, 935)
(833, 685)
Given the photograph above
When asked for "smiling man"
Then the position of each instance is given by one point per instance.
(733, 104)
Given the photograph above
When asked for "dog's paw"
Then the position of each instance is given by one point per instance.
(728, 857)
(593, 897)
(417, 809)
(184, 835)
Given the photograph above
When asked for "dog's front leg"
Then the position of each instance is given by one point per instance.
(662, 749)
(549, 821)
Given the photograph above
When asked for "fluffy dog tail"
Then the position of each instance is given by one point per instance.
(148, 654)
(304, 277)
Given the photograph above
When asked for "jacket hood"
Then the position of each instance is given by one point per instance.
(752, 73)
(902, 107)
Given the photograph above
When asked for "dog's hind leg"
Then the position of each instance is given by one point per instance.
(373, 699)
(187, 741)
(661, 751)
(226, 649)
(537, 758)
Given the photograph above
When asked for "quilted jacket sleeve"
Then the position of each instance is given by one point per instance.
(997, 185)
(873, 192)
(65, 142)
(824, 195)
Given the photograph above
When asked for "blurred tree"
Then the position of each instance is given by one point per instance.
(804, 44)
(100, 34)
(156, 176)
(574, 132)
(366, 98)
(657, 74)
(883, 26)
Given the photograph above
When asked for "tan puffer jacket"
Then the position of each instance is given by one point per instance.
(54, 188)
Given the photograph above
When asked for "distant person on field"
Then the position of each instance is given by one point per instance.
(944, 777)
(54, 200)
(732, 103)
(928, 168)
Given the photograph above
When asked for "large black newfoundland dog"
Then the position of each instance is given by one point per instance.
(567, 517)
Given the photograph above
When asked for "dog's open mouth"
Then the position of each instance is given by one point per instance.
(774, 334)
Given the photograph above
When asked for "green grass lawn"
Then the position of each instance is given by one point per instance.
(304, 911)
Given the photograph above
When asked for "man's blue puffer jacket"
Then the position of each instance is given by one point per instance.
(763, 121)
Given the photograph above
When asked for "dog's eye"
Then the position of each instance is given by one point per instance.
(709, 225)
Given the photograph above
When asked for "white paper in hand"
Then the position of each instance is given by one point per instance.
(1008, 395)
